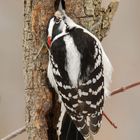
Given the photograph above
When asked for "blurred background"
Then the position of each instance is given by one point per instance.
(122, 46)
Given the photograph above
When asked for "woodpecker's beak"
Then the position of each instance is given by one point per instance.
(49, 40)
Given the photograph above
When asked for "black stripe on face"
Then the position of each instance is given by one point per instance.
(55, 30)
(52, 28)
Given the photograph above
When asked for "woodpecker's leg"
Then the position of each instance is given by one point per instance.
(59, 125)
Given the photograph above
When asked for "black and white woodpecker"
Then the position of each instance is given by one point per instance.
(79, 71)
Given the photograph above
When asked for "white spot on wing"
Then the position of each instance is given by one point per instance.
(93, 106)
(98, 76)
(94, 80)
(88, 82)
(96, 52)
(88, 120)
(79, 101)
(75, 105)
(88, 102)
(98, 90)
(81, 93)
(73, 118)
(75, 97)
(56, 72)
(90, 90)
(84, 93)
(99, 102)
(98, 61)
(69, 95)
(84, 112)
(67, 87)
(59, 84)
(64, 96)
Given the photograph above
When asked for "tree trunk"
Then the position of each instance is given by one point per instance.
(42, 109)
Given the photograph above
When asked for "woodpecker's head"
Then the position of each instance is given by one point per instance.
(59, 23)
(56, 26)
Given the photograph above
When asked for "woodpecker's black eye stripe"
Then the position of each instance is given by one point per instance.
(57, 20)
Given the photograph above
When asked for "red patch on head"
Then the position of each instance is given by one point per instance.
(49, 41)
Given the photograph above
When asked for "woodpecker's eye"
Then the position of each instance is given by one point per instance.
(57, 20)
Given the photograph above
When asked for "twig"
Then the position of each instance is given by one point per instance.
(122, 89)
(109, 120)
(14, 134)
(117, 91)
(38, 53)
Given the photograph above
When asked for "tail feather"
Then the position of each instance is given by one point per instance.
(90, 137)
(95, 123)
(69, 131)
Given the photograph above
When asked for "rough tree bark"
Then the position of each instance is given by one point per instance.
(42, 110)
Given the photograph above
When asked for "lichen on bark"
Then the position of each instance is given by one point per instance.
(41, 104)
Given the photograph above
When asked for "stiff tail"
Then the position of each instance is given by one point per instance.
(95, 123)
(90, 137)
(69, 131)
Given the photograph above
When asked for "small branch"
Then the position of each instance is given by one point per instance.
(117, 91)
(109, 120)
(122, 89)
(15, 133)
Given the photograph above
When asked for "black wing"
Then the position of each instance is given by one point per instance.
(91, 81)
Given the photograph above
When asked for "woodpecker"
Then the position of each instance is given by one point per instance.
(79, 71)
